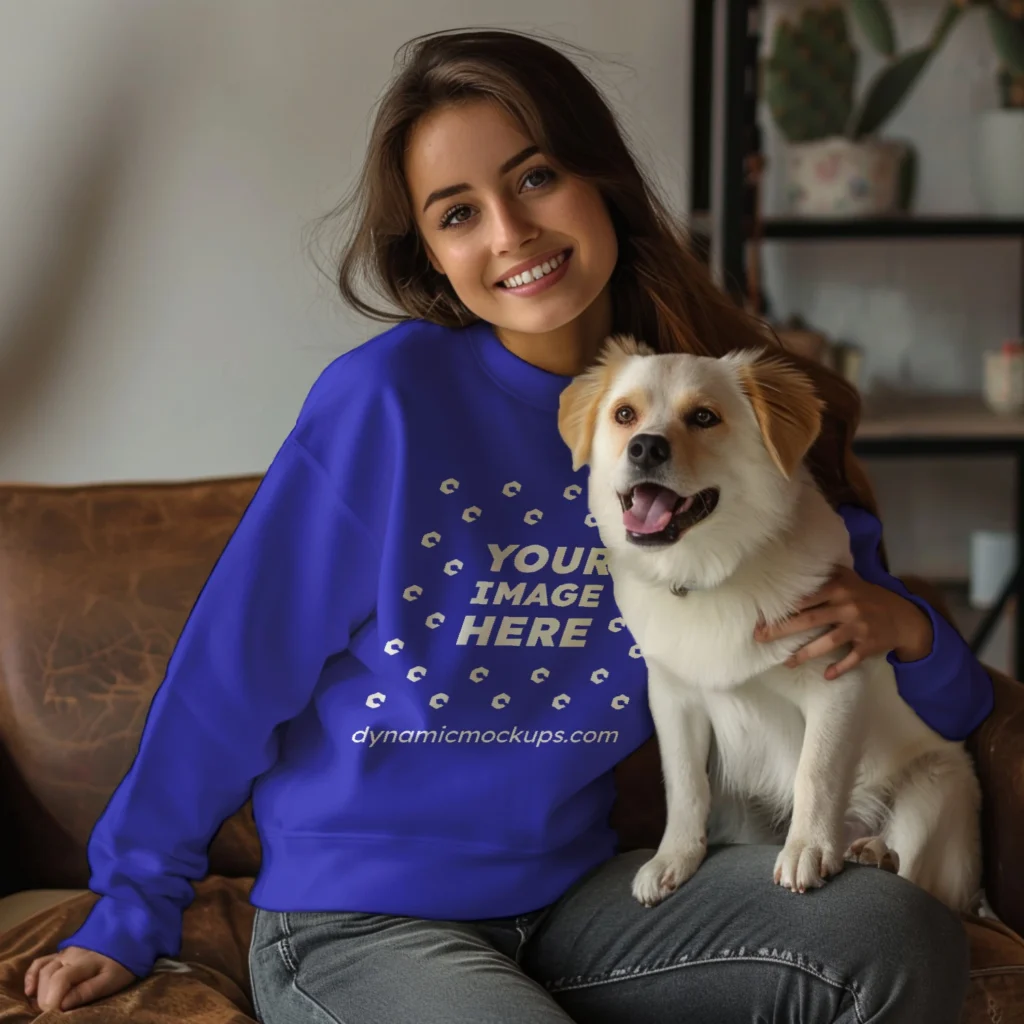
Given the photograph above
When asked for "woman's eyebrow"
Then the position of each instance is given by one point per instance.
(451, 190)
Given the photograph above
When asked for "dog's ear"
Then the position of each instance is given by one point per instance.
(579, 402)
(787, 408)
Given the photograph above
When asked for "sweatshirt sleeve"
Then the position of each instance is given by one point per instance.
(948, 688)
(292, 585)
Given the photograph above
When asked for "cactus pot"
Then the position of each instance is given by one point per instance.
(837, 177)
(999, 162)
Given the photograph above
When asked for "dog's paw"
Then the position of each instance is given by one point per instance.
(665, 872)
(803, 865)
(872, 850)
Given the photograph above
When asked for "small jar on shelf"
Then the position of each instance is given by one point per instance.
(1004, 379)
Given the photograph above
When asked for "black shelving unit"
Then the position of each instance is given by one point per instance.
(892, 227)
(729, 31)
(725, 32)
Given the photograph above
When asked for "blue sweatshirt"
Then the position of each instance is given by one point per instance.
(408, 654)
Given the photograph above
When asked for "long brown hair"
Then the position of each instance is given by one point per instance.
(661, 292)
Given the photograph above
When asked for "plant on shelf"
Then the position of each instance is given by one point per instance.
(1006, 27)
(837, 166)
(999, 155)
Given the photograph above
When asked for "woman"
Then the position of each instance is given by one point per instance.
(409, 653)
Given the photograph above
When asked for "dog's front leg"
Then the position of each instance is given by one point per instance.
(834, 721)
(684, 736)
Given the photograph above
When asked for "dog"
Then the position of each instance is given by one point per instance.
(713, 522)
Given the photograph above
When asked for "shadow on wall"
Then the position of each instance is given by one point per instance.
(39, 320)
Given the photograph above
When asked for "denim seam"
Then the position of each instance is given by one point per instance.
(284, 945)
(595, 980)
(291, 964)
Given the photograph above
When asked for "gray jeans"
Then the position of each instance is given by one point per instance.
(727, 946)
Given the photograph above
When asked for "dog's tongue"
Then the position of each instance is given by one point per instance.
(652, 509)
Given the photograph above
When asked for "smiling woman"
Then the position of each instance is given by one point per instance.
(520, 227)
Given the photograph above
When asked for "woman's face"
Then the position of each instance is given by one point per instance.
(489, 205)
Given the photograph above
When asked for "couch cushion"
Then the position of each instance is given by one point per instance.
(20, 906)
(210, 985)
(96, 583)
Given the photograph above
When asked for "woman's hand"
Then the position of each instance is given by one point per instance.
(869, 617)
(74, 977)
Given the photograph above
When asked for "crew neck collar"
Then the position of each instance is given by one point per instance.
(532, 384)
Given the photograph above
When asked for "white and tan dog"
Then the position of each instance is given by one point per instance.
(711, 520)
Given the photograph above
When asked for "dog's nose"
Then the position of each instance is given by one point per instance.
(649, 450)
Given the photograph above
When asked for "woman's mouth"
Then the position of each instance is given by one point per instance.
(539, 278)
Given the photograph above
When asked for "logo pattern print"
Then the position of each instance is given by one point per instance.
(434, 620)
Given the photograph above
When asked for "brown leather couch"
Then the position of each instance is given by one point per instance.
(95, 584)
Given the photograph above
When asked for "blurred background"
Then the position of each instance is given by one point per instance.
(161, 161)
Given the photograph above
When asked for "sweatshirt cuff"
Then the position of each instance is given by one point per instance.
(922, 683)
(124, 932)
(923, 668)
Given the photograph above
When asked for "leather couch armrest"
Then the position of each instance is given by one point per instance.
(997, 746)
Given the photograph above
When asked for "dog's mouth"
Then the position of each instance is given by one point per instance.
(653, 514)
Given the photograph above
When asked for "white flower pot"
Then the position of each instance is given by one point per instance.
(837, 177)
(999, 163)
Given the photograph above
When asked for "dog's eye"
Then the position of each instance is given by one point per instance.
(703, 418)
(624, 414)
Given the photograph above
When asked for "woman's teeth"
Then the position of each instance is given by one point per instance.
(535, 273)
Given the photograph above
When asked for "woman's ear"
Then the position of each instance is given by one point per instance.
(787, 408)
(578, 404)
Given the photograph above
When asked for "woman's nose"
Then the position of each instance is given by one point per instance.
(512, 227)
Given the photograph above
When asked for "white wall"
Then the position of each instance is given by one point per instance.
(923, 310)
(159, 318)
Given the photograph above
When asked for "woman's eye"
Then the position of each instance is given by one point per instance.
(454, 217)
(703, 418)
(449, 217)
(546, 175)
(624, 414)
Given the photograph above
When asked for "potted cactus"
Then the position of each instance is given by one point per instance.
(836, 163)
(999, 157)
